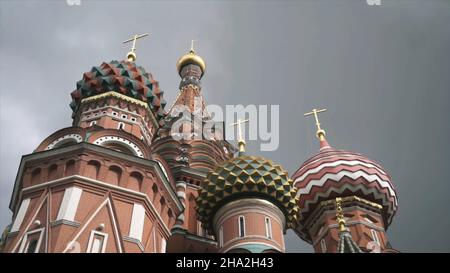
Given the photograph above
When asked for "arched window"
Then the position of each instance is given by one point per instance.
(121, 126)
(155, 191)
(114, 175)
(241, 226)
(31, 248)
(375, 236)
(36, 176)
(52, 175)
(162, 202)
(70, 168)
(323, 245)
(92, 169)
(93, 123)
(135, 181)
(268, 225)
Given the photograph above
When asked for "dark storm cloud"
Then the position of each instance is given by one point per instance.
(382, 71)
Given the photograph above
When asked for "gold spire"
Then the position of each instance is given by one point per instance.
(340, 215)
(131, 56)
(241, 141)
(191, 58)
(320, 132)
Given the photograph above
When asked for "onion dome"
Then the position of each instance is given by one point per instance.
(246, 176)
(191, 59)
(124, 77)
(337, 173)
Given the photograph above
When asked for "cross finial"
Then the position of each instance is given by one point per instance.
(192, 45)
(132, 55)
(241, 140)
(320, 132)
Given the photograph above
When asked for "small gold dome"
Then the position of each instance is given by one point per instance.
(191, 58)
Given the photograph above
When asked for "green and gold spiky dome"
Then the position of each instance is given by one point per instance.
(246, 176)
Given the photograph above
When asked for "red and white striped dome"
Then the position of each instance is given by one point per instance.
(336, 173)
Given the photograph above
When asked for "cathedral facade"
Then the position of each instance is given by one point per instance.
(119, 180)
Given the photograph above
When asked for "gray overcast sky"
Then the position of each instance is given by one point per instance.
(382, 71)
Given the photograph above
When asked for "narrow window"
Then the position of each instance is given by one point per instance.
(97, 242)
(221, 236)
(268, 228)
(375, 236)
(121, 126)
(199, 229)
(241, 226)
(93, 123)
(323, 245)
(31, 248)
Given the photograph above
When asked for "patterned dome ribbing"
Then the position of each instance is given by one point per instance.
(247, 176)
(123, 77)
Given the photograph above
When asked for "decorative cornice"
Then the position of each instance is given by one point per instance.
(95, 148)
(117, 95)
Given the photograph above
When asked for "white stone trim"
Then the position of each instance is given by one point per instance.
(116, 139)
(20, 215)
(32, 219)
(137, 222)
(69, 204)
(104, 185)
(78, 138)
(105, 202)
(163, 245)
(181, 194)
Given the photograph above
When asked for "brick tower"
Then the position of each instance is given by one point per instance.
(96, 186)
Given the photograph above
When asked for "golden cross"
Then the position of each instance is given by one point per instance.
(320, 132)
(132, 55)
(241, 140)
(192, 45)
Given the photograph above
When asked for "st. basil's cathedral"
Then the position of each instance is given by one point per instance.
(118, 180)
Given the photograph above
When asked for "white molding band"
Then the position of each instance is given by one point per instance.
(78, 138)
(120, 140)
(102, 184)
